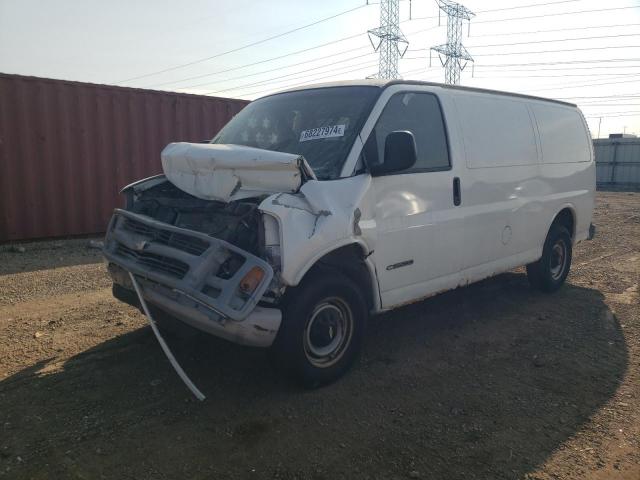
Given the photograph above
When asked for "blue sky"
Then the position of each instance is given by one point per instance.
(109, 42)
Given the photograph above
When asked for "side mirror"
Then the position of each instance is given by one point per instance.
(400, 153)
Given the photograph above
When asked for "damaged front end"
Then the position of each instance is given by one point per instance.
(204, 241)
(203, 262)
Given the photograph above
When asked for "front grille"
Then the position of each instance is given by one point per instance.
(159, 263)
(185, 243)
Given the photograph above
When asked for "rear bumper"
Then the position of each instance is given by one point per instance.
(183, 273)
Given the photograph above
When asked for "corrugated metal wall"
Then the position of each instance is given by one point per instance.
(618, 163)
(67, 148)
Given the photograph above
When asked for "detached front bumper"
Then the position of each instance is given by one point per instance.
(193, 277)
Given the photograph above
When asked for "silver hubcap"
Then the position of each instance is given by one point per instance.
(328, 332)
(558, 259)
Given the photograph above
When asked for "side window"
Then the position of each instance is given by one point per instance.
(420, 114)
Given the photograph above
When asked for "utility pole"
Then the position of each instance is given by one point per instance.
(454, 53)
(599, 123)
(391, 42)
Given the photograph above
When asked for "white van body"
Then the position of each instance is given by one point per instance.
(509, 166)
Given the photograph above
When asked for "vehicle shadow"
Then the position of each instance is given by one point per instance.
(483, 382)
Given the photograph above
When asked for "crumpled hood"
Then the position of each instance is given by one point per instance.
(232, 172)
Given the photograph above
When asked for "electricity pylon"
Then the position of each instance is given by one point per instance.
(456, 56)
(391, 42)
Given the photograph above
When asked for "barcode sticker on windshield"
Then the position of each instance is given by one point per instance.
(322, 132)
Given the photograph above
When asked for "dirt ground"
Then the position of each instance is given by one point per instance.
(493, 381)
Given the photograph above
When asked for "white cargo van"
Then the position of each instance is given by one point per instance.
(316, 207)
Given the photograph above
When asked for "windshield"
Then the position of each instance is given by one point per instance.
(319, 124)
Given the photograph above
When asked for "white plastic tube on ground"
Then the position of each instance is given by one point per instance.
(174, 363)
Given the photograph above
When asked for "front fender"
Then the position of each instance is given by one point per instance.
(321, 217)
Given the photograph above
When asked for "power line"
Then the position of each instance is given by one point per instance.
(273, 37)
(506, 8)
(604, 96)
(607, 82)
(416, 70)
(617, 109)
(610, 105)
(616, 105)
(614, 116)
(572, 68)
(561, 62)
(538, 51)
(556, 30)
(528, 6)
(271, 80)
(562, 75)
(555, 51)
(557, 14)
(613, 102)
(617, 112)
(429, 78)
(282, 67)
(556, 40)
(247, 65)
(536, 16)
(277, 58)
(581, 83)
(315, 80)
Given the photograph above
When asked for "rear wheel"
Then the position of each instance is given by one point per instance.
(322, 329)
(549, 273)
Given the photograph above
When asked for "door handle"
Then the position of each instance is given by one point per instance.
(457, 197)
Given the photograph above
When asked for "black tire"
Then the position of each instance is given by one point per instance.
(549, 273)
(323, 326)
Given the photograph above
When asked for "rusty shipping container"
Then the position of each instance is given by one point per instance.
(67, 148)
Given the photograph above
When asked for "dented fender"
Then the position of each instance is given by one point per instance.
(319, 218)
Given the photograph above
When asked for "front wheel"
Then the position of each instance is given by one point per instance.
(549, 273)
(322, 329)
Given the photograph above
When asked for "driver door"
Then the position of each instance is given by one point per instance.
(419, 226)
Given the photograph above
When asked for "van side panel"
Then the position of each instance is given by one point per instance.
(568, 170)
(562, 134)
(497, 131)
(525, 161)
(500, 183)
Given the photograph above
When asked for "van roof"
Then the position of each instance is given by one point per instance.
(387, 83)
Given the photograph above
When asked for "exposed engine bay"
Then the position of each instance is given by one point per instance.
(202, 261)
(236, 222)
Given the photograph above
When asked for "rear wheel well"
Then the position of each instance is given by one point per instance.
(566, 219)
(349, 261)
